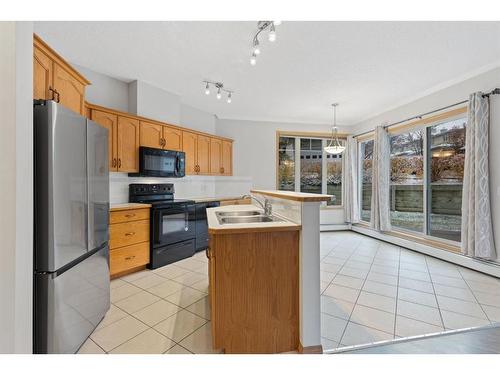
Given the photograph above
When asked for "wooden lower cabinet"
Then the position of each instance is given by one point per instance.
(128, 241)
(254, 291)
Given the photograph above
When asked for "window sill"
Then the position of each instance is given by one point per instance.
(436, 243)
(326, 208)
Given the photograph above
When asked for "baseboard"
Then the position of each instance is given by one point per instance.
(334, 227)
(315, 349)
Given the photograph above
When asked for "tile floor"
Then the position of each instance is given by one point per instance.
(370, 291)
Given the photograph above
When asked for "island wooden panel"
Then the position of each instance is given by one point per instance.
(254, 288)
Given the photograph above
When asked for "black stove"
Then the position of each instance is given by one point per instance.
(172, 226)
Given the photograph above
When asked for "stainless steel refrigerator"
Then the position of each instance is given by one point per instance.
(71, 254)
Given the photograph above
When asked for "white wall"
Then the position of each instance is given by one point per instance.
(104, 90)
(16, 188)
(484, 82)
(153, 102)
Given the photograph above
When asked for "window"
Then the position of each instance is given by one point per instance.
(366, 152)
(316, 171)
(407, 180)
(427, 167)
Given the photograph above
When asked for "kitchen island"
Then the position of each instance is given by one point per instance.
(262, 275)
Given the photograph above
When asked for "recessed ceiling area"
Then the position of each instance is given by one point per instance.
(367, 67)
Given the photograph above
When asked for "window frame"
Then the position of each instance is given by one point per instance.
(423, 124)
(324, 137)
(367, 138)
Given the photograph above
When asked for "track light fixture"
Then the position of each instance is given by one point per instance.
(220, 88)
(261, 26)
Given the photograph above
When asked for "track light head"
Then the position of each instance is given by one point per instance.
(253, 59)
(219, 95)
(277, 23)
(272, 33)
(256, 49)
(207, 89)
(229, 97)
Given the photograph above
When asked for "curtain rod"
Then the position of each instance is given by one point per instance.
(493, 92)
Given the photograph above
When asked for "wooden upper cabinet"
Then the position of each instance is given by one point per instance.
(172, 138)
(215, 156)
(203, 154)
(43, 68)
(151, 135)
(70, 92)
(55, 79)
(110, 122)
(189, 146)
(227, 158)
(128, 144)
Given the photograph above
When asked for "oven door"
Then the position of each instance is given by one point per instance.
(173, 224)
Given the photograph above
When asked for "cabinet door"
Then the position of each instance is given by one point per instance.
(215, 156)
(189, 141)
(128, 144)
(173, 138)
(203, 154)
(151, 135)
(227, 158)
(42, 75)
(110, 122)
(71, 92)
(212, 295)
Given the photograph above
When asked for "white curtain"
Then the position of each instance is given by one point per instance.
(350, 159)
(380, 214)
(477, 233)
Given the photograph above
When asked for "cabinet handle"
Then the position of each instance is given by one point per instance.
(207, 253)
(58, 96)
(129, 215)
(119, 162)
(113, 162)
(51, 90)
(164, 142)
(130, 257)
(129, 233)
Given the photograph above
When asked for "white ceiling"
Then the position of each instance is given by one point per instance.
(367, 67)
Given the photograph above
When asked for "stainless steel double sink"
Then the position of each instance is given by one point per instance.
(242, 217)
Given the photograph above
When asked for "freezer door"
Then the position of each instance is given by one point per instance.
(98, 184)
(68, 307)
(60, 186)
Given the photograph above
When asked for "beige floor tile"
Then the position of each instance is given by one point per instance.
(123, 292)
(377, 301)
(384, 270)
(362, 266)
(470, 275)
(477, 286)
(189, 278)
(148, 281)
(419, 312)
(382, 278)
(348, 281)
(421, 286)
(373, 318)
(328, 344)
(450, 291)
(114, 314)
(353, 272)
(462, 307)
(449, 281)
(90, 347)
(200, 341)
(190, 264)
(415, 275)
(203, 271)
(336, 307)
(170, 271)
(492, 312)
(416, 296)
(456, 321)
(328, 267)
(356, 334)
(116, 283)
(416, 267)
(332, 328)
(177, 349)
(357, 257)
(406, 327)
(147, 342)
(118, 332)
(155, 313)
(165, 289)
(326, 276)
(201, 308)
(488, 298)
(180, 325)
(323, 285)
(201, 285)
(342, 292)
(185, 297)
(334, 260)
(136, 275)
(379, 288)
(137, 302)
(445, 271)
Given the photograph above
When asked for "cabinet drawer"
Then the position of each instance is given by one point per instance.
(128, 257)
(129, 215)
(124, 234)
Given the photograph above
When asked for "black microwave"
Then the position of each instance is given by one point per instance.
(155, 162)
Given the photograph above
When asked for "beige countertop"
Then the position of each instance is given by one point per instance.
(294, 196)
(128, 206)
(216, 228)
(212, 199)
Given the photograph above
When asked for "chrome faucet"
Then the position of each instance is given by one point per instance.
(267, 206)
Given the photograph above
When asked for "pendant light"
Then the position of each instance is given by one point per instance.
(334, 147)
